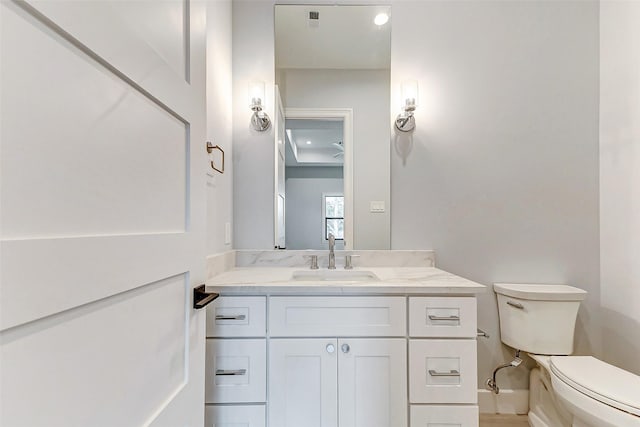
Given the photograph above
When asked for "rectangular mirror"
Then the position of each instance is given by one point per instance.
(333, 127)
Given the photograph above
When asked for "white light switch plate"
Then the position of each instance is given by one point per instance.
(376, 206)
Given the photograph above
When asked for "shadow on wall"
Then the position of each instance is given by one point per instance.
(621, 340)
(403, 144)
(583, 338)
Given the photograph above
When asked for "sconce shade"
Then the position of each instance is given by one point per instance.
(405, 122)
(409, 90)
(256, 93)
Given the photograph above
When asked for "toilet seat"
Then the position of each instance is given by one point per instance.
(600, 381)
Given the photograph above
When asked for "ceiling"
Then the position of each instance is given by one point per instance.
(324, 135)
(344, 37)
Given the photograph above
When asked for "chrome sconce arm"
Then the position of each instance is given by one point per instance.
(406, 122)
(260, 121)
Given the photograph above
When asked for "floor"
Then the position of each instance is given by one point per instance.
(490, 420)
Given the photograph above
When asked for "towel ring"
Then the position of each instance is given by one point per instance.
(210, 148)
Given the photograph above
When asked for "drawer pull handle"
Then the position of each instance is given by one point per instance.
(451, 373)
(236, 317)
(515, 304)
(434, 317)
(231, 371)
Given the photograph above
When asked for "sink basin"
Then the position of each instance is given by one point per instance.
(334, 276)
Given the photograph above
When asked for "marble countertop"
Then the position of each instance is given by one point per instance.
(393, 280)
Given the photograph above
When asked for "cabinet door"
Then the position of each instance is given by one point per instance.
(303, 390)
(372, 382)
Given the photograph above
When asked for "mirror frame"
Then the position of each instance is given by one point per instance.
(346, 115)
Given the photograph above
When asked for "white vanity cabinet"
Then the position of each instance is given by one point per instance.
(236, 362)
(342, 361)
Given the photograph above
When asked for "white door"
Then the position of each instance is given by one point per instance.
(303, 390)
(102, 213)
(372, 382)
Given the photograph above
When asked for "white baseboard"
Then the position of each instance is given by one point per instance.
(507, 402)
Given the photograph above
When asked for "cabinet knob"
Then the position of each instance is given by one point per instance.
(345, 348)
(331, 348)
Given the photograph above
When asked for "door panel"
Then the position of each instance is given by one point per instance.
(72, 354)
(101, 213)
(110, 155)
(372, 379)
(303, 388)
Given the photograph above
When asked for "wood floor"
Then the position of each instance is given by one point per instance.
(490, 420)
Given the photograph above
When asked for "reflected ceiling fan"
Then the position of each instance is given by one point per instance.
(340, 149)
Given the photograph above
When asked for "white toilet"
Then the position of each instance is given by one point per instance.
(565, 391)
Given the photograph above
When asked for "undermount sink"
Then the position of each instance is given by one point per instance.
(334, 276)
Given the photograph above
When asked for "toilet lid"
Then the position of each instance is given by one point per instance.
(599, 380)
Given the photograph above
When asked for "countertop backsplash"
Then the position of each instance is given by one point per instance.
(225, 261)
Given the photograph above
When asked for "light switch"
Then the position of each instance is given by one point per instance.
(376, 206)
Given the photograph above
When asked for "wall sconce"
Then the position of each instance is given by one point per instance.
(405, 122)
(259, 120)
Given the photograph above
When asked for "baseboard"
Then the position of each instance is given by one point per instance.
(507, 402)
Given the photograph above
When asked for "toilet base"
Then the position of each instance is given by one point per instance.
(544, 410)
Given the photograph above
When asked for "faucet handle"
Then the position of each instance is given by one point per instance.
(347, 261)
(314, 261)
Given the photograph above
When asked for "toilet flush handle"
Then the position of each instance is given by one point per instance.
(515, 304)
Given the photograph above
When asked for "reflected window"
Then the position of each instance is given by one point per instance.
(333, 214)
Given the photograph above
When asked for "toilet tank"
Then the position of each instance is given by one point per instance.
(538, 319)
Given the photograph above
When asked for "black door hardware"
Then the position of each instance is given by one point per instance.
(201, 297)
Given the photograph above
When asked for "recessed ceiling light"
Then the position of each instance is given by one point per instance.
(381, 19)
(308, 142)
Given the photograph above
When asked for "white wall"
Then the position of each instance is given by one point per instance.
(304, 188)
(219, 118)
(367, 93)
(620, 182)
(253, 152)
(501, 178)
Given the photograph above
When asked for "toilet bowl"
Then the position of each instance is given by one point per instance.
(565, 391)
(596, 393)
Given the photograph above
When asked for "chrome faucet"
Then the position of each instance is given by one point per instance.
(332, 255)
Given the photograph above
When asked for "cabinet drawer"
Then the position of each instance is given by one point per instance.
(234, 416)
(236, 371)
(442, 317)
(441, 416)
(443, 371)
(337, 316)
(237, 317)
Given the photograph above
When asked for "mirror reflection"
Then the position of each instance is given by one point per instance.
(314, 182)
(332, 126)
